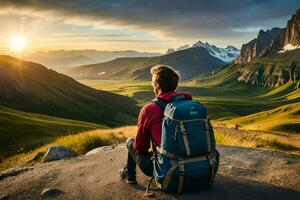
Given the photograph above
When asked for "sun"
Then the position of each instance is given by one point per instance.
(18, 43)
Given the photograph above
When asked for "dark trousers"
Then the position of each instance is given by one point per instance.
(143, 160)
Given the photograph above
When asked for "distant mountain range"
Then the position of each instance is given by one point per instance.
(31, 87)
(190, 62)
(62, 59)
(272, 59)
(225, 54)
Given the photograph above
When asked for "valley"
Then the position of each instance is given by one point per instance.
(231, 100)
(252, 95)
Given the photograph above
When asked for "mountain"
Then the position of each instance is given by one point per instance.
(225, 54)
(62, 59)
(189, 62)
(272, 59)
(272, 41)
(292, 32)
(277, 60)
(256, 47)
(31, 87)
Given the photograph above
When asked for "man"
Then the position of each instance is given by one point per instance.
(164, 82)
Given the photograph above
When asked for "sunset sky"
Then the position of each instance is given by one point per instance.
(142, 25)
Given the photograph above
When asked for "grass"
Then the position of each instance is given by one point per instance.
(285, 118)
(22, 131)
(88, 140)
(81, 142)
(288, 143)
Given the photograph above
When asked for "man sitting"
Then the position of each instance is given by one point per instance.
(164, 82)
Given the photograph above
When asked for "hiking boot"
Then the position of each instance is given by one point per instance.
(124, 175)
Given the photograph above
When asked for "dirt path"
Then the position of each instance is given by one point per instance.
(244, 174)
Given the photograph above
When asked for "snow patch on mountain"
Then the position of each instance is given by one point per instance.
(225, 54)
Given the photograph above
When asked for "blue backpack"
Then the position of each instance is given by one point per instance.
(187, 158)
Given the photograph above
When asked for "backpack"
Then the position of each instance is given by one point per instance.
(187, 158)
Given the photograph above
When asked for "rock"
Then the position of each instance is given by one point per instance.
(14, 172)
(292, 33)
(99, 149)
(256, 47)
(51, 192)
(58, 153)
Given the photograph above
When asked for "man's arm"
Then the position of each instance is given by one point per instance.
(142, 139)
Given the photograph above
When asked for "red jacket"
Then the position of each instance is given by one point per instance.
(150, 122)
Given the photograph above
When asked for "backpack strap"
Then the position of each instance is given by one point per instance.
(207, 131)
(160, 102)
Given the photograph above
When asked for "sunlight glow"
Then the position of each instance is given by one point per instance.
(18, 43)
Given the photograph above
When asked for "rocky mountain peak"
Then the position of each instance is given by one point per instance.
(256, 47)
(272, 41)
(292, 33)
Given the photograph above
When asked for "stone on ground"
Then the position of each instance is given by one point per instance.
(59, 152)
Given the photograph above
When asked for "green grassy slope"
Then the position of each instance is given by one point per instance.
(32, 87)
(21, 131)
(190, 62)
(285, 118)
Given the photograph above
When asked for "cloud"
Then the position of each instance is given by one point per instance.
(168, 18)
(248, 29)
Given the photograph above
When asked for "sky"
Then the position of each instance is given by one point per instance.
(142, 25)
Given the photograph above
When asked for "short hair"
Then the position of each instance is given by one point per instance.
(166, 76)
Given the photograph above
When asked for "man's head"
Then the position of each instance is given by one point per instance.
(164, 79)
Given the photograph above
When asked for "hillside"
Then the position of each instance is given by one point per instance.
(189, 62)
(22, 131)
(274, 70)
(32, 87)
(285, 118)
